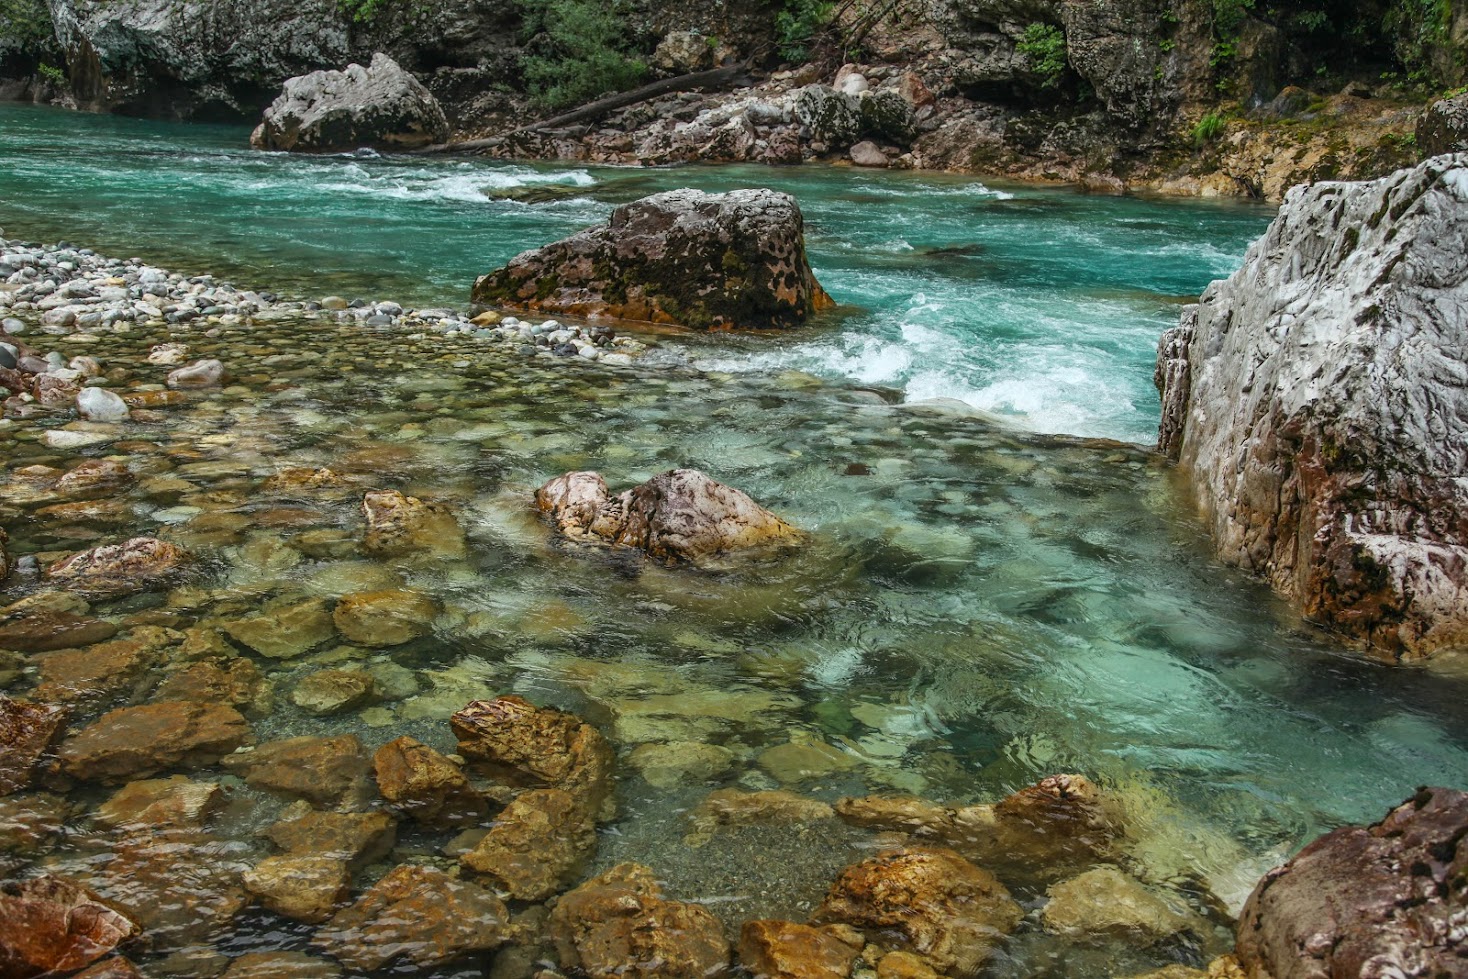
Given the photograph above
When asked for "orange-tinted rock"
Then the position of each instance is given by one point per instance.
(945, 909)
(735, 807)
(900, 813)
(52, 926)
(26, 734)
(618, 926)
(425, 786)
(308, 483)
(39, 629)
(178, 802)
(385, 618)
(234, 682)
(536, 845)
(359, 838)
(783, 950)
(404, 526)
(98, 673)
(28, 820)
(327, 771)
(114, 968)
(136, 565)
(281, 965)
(416, 914)
(137, 742)
(522, 744)
(304, 888)
(904, 965)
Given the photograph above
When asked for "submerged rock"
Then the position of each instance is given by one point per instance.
(619, 926)
(684, 256)
(521, 744)
(425, 786)
(1315, 398)
(156, 804)
(537, 844)
(416, 914)
(53, 927)
(326, 111)
(305, 888)
(359, 838)
(137, 742)
(26, 735)
(1106, 903)
(326, 770)
(404, 526)
(1385, 900)
(785, 950)
(946, 910)
(678, 516)
(115, 570)
(385, 618)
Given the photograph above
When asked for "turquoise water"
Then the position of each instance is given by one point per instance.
(1044, 305)
(980, 606)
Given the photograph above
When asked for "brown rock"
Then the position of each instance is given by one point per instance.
(137, 565)
(26, 734)
(100, 672)
(36, 629)
(904, 965)
(782, 950)
(679, 516)
(52, 926)
(300, 482)
(281, 965)
(325, 770)
(304, 888)
(1385, 900)
(1056, 827)
(88, 511)
(385, 618)
(177, 802)
(618, 926)
(1105, 903)
(95, 477)
(521, 744)
(327, 692)
(945, 909)
(114, 968)
(359, 838)
(136, 742)
(405, 526)
(708, 261)
(28, 820)
(537, 843)
(734, 807)
(902, 814)
(284, 629)
(234, 682)
(425, 786)
(418, 914)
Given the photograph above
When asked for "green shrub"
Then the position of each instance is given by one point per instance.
(1044, 46)
(1209, 128)
(26, 23)
(362, 11)
(797, 25)
(51, 73)
(1419, 28)
(579, 52)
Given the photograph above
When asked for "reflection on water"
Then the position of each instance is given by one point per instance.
(979, 608)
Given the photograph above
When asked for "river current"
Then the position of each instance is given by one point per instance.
(982, 605)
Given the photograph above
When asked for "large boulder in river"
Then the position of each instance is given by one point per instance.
(712, 261)
(678, 516)
(1316, 399)
(1387, 900)
(380, 105)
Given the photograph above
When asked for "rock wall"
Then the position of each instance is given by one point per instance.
(1318, 401)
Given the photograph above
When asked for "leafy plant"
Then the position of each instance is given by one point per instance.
(1044, 46)
(51, 73)
(362, 11)
(1228, 17)
(25, 22)
(1418, 28)
(579, 52)
(1209, 128)
(798, 24)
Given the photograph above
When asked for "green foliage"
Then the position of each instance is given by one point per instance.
(579, 52)
(1228, 17)
(362, 11)
(798, 24)
(1209, 128)
(1418, 28)
(25, 23)
(1044, 46)
(51, 73)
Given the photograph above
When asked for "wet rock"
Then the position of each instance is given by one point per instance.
(26, 735)
(619, 926)
(29, 820)
(405, 526)
(327, 692)
(667, 765)
(137, 742)
(281, 965)
(1313, 398)
(380, 105)
(1388, 899)
(88, 511)
(285, 629)
(385, 618)
(901, 813)
(425, 786)
(783, 950)
(416, 914)
(359, 838)
(733, 807)
(325, 770)
(5, 560)
(114, 968)
(101, 405)
(305, 483)
(200, 374)
(168, 354)
(680, 515)
(945, 909)
(233, 682)
(868, 154)
(702, 260)
(1107, 904)
(539, 842)
(112, 571)
(303, 888)
(95, 477)
(904, 965)
(177, 802)
(53, 927)
(35, 627)
(831, 117)
(521, 744)
(1443, 128)
(100, 672)
(792, 763)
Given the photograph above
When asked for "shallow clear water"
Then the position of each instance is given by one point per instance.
(1040, 304)
(980, 606)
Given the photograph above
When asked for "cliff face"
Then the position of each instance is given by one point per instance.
(1318, 401)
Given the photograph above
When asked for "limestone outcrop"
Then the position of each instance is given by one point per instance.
(1443, 128)
(1316, 399)
(708, 261)
(380, 105)
(678, 516)
(1383, 900)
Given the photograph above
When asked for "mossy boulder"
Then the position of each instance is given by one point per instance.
(708, 261)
